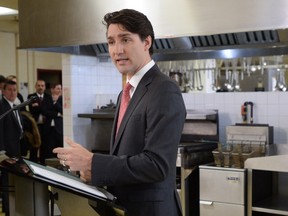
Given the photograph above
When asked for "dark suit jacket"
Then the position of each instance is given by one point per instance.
(51, 110)
(141, 168)
(36, 111)
(10, 131)
(21, 99)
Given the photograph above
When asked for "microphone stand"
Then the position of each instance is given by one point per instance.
(18, 106)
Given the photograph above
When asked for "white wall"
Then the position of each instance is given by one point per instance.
(87, 83)
(269, 108)
(30, 61)
(7, 54)
(24, 63)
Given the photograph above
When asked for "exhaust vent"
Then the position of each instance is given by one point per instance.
(270, 36)
(232, 39)
(163, 44)
(180, 43)
(101, 48)
(244, 44)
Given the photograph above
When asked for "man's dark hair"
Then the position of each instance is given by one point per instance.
(53, 85)
(9, 82)
(133, 21)
(2, 79)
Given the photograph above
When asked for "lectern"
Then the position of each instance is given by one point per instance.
(32, 180)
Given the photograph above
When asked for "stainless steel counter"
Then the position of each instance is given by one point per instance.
(101, 128)
(267, 184)
(100, 115)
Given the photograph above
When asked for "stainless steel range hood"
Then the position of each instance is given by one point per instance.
(223, 46)
(204, 29)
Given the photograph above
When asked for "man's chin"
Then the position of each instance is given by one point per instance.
(122, 69)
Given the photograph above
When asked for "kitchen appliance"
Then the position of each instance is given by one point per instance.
(199, 138)
(248, 141)
(195, 38)
(101, 123)
(243, 141)
(247, 112)
(222, 191)
(229, 174)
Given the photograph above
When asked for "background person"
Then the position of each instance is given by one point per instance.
(19, 98)
(53, 112)
(141, 167)
(11, 132)
(36, 109)
(2, 82)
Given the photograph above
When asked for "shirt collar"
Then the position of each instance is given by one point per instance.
(10, 102)
(39, 95)
(134, 81)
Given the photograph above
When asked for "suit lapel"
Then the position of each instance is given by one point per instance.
(135, 100)
(8, 107)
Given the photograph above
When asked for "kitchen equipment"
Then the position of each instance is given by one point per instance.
(200, 85)
(200, 136)
(247, 112)
(259, 86)
(222, 191)
(243, 141)
(180, 79)
(101, 124)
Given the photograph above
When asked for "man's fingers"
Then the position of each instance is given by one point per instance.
(61, 150)
(69, 142)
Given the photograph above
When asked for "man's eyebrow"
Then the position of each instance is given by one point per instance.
(120, 35)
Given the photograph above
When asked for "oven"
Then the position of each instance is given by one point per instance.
(200, 137)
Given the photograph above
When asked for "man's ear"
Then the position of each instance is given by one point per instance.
(148, 42)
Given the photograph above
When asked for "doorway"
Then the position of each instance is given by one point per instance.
(50, 77)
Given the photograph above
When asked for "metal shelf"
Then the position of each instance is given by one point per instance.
(264, 193)
(276, 204)
(277, 163)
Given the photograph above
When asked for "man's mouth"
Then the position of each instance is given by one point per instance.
(121, 60)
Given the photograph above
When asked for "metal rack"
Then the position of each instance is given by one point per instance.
(243, 142)
(234, 153)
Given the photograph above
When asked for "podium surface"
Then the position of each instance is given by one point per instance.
(31, 182)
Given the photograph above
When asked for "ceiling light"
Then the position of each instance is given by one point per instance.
(7, 11)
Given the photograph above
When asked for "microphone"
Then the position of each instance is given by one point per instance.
(25, 103)
(30, 100)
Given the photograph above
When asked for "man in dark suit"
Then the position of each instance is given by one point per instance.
(53, 111)
(19, 98)
(141, 167)
(11, 132)
(2, 82)
(36, 109)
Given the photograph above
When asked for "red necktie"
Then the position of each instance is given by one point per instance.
(124, 103)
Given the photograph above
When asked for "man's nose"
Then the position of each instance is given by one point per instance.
(119, 48)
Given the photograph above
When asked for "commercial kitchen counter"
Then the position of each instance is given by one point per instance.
(100, 115)
(101, 128)
(275, 163)
(267, 185)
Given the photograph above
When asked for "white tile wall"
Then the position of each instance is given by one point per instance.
(94, 83)
(269, 108)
